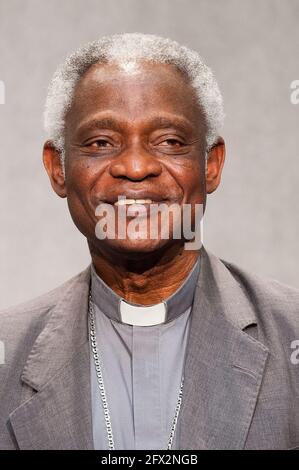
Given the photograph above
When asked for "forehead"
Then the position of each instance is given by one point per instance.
(134, 91)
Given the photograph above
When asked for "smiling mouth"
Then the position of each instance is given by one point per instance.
(127, 202)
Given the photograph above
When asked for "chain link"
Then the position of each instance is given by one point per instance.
(97, 363)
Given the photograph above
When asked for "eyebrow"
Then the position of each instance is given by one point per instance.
(101, 123)
(163, 122)
(157, 122)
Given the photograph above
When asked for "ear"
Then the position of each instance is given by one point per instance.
(53, 166)
(214, 165)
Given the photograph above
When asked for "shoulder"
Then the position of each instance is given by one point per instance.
(31, 315)
(263, 288)
(274, 302)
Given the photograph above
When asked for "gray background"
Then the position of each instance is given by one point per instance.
(253, 48)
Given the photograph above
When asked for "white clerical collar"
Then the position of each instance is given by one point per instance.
(116, 308)
(140, 315)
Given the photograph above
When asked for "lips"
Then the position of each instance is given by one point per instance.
(136, 197)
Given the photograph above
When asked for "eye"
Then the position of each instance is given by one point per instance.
(102, 143)
(171, 142)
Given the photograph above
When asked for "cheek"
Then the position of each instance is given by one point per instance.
(76, 167)
(81, 176)
(190, 176)
(197, 186)
(84, 173)
(196, 181)
(81, 214)
(78, 184)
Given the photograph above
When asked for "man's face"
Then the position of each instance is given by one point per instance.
(139, 134)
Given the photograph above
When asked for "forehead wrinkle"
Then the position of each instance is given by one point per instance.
(119, 124)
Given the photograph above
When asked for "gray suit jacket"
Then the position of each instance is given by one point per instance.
(241, 389)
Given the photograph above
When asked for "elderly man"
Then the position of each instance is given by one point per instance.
(157, 344)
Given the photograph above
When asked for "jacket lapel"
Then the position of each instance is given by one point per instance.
(58, 413)
(224, 365)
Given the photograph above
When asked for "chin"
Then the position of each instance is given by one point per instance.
(136, 247)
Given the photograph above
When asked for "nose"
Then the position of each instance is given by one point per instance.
(135, 164)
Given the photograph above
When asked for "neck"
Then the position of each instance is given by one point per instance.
(147, 279)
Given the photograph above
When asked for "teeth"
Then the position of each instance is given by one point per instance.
(123, 202)
(143, 201)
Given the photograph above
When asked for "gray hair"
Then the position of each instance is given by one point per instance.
(125, 49)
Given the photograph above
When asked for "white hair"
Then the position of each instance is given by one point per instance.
(126, 49)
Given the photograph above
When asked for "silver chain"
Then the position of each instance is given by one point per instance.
(97, 362)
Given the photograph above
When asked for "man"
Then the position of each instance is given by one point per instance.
(157, 344)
